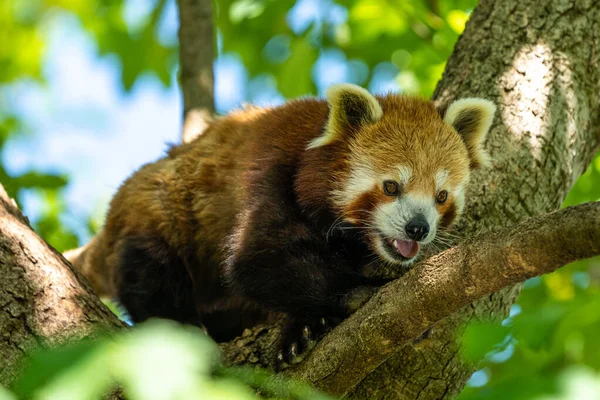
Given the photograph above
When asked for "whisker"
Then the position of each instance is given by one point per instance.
(443, 241)
(344, 228)
(443, 232)
(332, 227)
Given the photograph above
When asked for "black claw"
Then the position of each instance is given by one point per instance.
(300, 336)
(280, 363)
(306, 334)
(293, 350)
(203, 329)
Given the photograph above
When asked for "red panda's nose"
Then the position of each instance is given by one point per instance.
(417, 228)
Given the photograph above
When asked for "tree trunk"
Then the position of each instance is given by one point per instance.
(196, 65)
(540, 63)
(43, 300)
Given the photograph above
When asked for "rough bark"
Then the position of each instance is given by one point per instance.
(196, 56)
(43, 301)
(540, 62)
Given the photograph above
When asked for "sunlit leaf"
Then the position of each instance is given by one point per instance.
(295, 79)
(560, 285)
(273, 386)
(6, 395)
(245, 9)
(45, 366)
(457, 20)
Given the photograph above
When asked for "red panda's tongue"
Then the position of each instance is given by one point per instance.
(407, 248)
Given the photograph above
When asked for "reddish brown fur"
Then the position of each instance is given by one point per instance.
(192, 196)
(360, 208)
(449, 214)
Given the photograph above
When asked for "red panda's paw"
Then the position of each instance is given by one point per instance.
(299, 337)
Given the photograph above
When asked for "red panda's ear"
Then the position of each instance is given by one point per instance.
(349, 106)
(472, 119)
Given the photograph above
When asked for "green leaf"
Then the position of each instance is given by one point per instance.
(6, 395)
(294, 78)
(535, 330)
(273, 385)
(480, 338)
(39, 180)
(44, 366)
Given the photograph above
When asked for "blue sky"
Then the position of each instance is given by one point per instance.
(84, 125)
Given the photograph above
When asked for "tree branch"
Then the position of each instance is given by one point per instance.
(436, 288)
(196, 65)
(43, 300)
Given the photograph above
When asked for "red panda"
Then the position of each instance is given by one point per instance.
(281, 209)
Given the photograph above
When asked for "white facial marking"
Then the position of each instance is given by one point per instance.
(383, 252)
(362, 180)
(441, 178)
(405, 173)
(459, 199)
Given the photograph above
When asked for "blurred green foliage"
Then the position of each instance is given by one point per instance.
(548, 347)
(156, 361)
(24, 24)
(415, 37)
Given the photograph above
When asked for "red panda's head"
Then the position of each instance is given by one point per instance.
(405, 166)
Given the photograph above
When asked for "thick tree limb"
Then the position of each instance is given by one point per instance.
(43, 301)
(196, 56)
(442, 285)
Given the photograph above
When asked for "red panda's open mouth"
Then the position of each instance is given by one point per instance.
(407, 249)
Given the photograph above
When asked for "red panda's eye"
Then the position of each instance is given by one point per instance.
(390, 188)
(442, 196)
